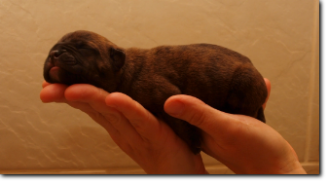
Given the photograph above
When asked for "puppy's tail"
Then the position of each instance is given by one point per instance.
(260, 115)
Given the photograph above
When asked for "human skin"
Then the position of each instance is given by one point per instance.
(244, 144)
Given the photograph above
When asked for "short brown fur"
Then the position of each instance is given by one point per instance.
(222, 78)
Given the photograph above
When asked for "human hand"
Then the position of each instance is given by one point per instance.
(244, 144)
(149, 142)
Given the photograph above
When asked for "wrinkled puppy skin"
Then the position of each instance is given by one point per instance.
(220, 77)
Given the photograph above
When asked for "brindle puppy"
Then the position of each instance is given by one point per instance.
(220, 77)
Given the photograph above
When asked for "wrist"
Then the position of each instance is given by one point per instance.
(296, 169)
(191, 166)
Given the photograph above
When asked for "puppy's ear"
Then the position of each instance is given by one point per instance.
(118, 58)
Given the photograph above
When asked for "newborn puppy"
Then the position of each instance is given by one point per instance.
(220, 77)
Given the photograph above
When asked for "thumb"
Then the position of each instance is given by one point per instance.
(201, 115)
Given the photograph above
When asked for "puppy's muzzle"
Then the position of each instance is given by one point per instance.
(56, 53)
(62, 55)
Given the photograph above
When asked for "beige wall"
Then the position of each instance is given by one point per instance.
(279, 36)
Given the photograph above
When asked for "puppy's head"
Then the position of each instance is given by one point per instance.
(83, 57)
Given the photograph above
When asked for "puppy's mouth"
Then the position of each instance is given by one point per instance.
(54, 73)
(59, 68)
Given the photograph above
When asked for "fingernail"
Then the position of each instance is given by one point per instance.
(176, 108)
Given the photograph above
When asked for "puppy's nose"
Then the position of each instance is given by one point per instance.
(56, 53)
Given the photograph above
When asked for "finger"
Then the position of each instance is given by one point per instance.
(53, 93)
(56, 93)
(141, 119)
(97, 117)
(88, 94)
(201, 115)
(95, 98)
(268, 85)
(45, 83)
